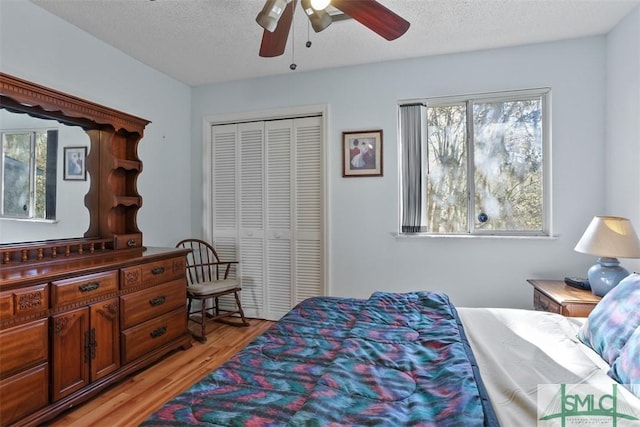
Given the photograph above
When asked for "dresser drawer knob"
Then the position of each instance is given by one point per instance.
(158, 332)
(88, 287)
(157, 270)
(154, 302)
(131, 243)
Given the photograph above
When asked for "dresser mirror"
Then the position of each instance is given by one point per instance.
(105, 204)
(37, 203)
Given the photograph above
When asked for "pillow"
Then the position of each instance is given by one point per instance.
(613, 319)
(626, 368)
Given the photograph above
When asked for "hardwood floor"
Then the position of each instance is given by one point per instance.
(131, 401)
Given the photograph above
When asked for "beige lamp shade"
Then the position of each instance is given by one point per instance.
(611, 237)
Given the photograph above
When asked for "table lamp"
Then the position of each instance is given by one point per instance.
(610, 238)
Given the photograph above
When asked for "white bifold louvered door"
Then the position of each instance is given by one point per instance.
(267, 204)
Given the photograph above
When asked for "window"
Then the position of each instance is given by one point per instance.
(476, 165)
(28, 174)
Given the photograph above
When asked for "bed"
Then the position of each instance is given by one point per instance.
(415, 359)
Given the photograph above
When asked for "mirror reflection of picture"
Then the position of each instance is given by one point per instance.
(74, 163)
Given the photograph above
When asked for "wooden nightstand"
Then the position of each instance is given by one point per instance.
(556, 297)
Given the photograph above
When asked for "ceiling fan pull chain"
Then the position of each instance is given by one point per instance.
(308, 44)
(293, 65)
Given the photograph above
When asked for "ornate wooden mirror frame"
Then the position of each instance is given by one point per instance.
(112, 164)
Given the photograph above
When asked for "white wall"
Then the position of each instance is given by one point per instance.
(364, 256)
(622, 155)
(37, 46)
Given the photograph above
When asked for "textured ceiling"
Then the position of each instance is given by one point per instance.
(207, 41)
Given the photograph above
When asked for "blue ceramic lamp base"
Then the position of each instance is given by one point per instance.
(605, 275)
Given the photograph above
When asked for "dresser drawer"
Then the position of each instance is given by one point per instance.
(83, 288)
(152, 302)
(163, 271)
(23, 346)
(24, 393)
(541, 302)
(146, 337)
(153, 273)
(130, 277)
(124, 241)
(23, 301)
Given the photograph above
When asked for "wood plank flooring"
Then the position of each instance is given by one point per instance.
(131, 401)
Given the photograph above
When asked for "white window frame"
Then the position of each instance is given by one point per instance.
(545, 95)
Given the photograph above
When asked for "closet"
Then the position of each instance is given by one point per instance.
(264, 207)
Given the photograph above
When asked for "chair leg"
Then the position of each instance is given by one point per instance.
(224, 318)
(202, 337)
(244, 320)
(214, 311)
(203, 319)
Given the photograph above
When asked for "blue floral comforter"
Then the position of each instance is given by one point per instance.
(393, 359)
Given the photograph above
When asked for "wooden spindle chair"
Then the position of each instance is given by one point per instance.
(207, 281)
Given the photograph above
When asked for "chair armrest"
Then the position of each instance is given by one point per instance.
(226, 270)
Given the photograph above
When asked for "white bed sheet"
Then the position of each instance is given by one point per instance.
(517, 350)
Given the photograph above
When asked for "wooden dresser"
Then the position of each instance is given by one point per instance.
(70, 329)
(79, 313)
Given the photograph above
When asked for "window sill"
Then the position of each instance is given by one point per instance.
(410, 236)
(40, 221)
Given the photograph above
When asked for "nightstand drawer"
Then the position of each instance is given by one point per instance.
(543, 303)
(577, 309)
(555, 296)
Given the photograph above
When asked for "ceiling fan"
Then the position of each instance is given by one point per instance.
(277, 15)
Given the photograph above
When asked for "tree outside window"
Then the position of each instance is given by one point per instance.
(28, 174)
(484, 164)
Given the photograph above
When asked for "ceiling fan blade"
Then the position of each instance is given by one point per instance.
(374, 16)
(274, 43)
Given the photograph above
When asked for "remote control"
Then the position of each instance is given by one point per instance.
(578, 282)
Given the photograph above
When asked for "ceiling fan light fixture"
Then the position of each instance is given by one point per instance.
(270, 14)
(320, 4)
(319, 19)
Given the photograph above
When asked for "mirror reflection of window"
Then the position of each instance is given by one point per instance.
(28, 174)
(61, 213)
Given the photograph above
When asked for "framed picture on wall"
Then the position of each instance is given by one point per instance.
(362, 153)
(75, 168)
